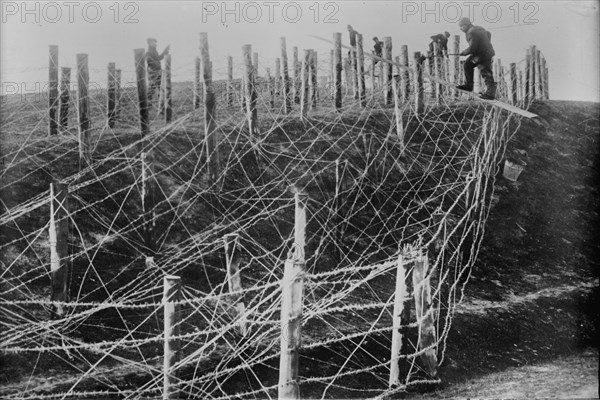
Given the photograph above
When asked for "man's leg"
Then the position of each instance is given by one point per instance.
(154, 84)
(487, 73)
(469, 73)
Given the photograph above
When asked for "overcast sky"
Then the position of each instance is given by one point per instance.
(567, 33)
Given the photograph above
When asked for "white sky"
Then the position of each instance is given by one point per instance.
(567, 33)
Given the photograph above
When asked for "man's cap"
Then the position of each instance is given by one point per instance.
(150, 40)
(447, 34)
(375, 38)
(464, 21)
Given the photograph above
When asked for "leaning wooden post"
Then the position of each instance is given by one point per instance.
(513, 83)
(337, 75)
(249, 90)
(456, 61)
(53, 90)
(210, 126)
(65, 95)
(418, 78)
(296, 80)
(404, 73)
(527, 73)
(83, 80)
(545, 69)
(234, 279)
(168, 101)
(286, 77)
(140, 74)
(314, 86)
(304, 93)
(401, 296)
(60, 271)
(532, 73)
(424, 314)
(171, 297)
(361, 70)
(387, 76)
(111, 98)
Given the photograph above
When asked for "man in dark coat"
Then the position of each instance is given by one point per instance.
(153, 59)
(481, 53)
(442, 41)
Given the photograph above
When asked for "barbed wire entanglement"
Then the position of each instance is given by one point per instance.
(145, 207)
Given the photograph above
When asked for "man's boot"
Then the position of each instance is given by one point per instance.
(465, 88)
(490, 93)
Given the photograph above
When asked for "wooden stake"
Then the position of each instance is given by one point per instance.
(387, 76)
(277, 83)
(418, 77)
(255, 66)
(296, 81)
(361, 70)
(286, 77)
(83, 79)
(210, 126)
(424, 314)
(249, 90)
(456, 59)
(229, 81)
(111, 95)
(404, 73)
(53, 90)
(197, 83)
(65, 95)
(292, 292)
(305, 86)
(532, 74)
(526, 86)
(438, 72)
(168, 100)
(117, 93)
(270, 88)
(171, 295)
(300, 200)
(234, 279)
(513, 83)
(400, 298)
(337, 76)
(60, 271)
(140, 74)
(538, 72)
(398, 115)
(314, 86)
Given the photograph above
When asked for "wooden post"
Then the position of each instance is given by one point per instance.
(111, 98)
(277, 76)
(437, 72)
(520, 85)
(197, 83)
(229, 81)
(532, 74)
(387, 77)
(65, 95)
(300, 200)
(373, 63)
(513, 83)
(292, 291)
(337, 76)
(234, 279)
(83, 79)
(296, 81)
(545, 69)
(255, 66)
(361, 70)
(538, 72)
(60, 271)
(249, 90)
(400, 298)
(331, 74)
(171, 295)
(418, 78)
(398, 115)
(168, 100)
(405, 76)
(210, 126)
(424, 314)
(314, 86)
(526, 86)
(270, 88)
(140, 74)
(456, 60)
(353, 65)
(286, 77)
(53, 90)
(304, 91)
